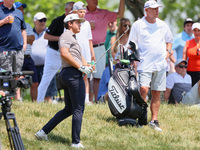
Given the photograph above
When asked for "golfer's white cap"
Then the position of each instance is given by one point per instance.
(72, 17)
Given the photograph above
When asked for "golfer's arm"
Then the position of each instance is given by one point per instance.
(66, 55)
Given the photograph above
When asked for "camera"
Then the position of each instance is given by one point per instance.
(9, 85)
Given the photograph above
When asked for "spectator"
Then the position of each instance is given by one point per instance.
(154, 40)
(191, 52)
(28, 61)
(52, 60)
(110, 33)
(73, 65)
(84, 38)
(38, 55)
(123, 24)
(179, 43)
(99, 19)
(179, 86)
(13, 39)
(181, 38)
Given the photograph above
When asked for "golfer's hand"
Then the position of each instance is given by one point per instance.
(85, 69)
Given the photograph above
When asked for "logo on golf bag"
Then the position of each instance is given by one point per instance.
(116, 95)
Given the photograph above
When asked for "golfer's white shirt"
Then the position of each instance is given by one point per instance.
(151, 40)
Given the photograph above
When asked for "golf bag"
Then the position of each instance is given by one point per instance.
(124, 99)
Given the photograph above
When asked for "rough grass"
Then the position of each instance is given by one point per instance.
(100, 131)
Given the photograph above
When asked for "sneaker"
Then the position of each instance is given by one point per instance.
(54, 101)
(155, 125)
(41, 135)
(88, 103)
(79, 145)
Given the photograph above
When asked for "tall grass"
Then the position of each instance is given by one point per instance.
(100, 131)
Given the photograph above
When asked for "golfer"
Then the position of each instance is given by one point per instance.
(73, 66)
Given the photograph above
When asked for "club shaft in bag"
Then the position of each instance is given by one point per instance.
(110, 47)
(112, 44)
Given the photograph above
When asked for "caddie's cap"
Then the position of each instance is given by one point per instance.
(188, 20)
(151, 4)
(72, 17)
(19, 4)
(180, 61)
(39, 16)
(196, 25)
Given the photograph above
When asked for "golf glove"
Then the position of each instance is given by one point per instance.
(85, 69)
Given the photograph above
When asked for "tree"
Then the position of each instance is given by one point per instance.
(178, 10)
(53, 8)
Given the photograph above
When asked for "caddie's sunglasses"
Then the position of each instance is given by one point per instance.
(198, 51)
(182, 66)
(42, 20)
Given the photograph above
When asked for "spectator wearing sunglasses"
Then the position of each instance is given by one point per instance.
(122, 27)
(179, 86)
(39, 48)
(191, 52)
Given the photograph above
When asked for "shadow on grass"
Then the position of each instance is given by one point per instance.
(57, 138)
(111, 119)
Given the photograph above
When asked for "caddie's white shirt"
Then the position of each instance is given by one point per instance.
(83, 38)
(151, 40)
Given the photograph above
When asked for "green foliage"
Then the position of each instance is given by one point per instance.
(52, 8)
(178, 10)
(100, 130)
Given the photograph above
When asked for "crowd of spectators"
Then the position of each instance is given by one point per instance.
(41, 49)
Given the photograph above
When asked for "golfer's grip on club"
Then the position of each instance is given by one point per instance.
(86, 69)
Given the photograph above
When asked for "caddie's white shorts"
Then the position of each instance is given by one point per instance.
(156, 78)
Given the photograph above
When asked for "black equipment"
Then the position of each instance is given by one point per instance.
(124, 99)
(9, 84)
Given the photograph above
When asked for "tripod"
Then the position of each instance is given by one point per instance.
(14, 136)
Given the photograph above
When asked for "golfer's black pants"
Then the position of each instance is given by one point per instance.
(74, 97)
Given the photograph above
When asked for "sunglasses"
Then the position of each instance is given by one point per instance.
(125, 25)
(42, 20)
(198, 51)
(182, 66)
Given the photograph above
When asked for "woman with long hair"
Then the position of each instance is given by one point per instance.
(122, 27)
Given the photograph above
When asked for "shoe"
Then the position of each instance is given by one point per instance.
(41, 135)
(155, 125)
(79, 145)
(54, 101)
(89, 103)
(20, 99)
